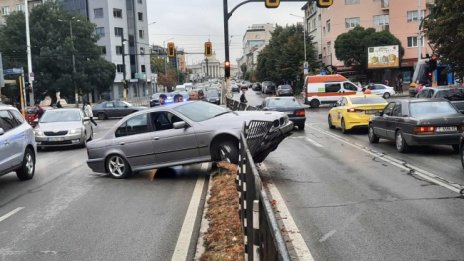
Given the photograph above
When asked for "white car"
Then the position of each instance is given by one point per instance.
(381, 90)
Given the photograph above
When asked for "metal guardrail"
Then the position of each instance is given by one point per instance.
(238, 106)
(262, 236)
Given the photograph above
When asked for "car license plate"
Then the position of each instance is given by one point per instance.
(447, 129)
(56, 139)
(371, 111)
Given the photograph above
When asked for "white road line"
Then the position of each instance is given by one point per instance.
(296, 239)
(11, 213)
(399, 163)
(327, 236)
(315, 143)
(185, 235)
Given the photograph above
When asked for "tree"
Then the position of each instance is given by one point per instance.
(351, 47)
(52, 49)
(444, 28)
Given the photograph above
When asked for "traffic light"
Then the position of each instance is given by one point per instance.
(208, 49)
(171, 49)
(272, 3)
(227, 69)
(324, 3)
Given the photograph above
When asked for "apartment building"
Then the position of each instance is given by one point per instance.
(9, 6)
(400, 17)
(313, 26)
(255, 39)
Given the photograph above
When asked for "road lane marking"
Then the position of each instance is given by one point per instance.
(296, 239)
(327, 236)
(414, 170)
(11, 213)
(315, 143)
(185, 235)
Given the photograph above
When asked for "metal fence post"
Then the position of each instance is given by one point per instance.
(256, 239)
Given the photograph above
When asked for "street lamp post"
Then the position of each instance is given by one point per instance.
(304, 36)
(76, 94)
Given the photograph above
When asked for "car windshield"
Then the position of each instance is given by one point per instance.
(60, 116)
(200, 111)
(368, 100)
(431, 109)
(283, 103)
(212, 94)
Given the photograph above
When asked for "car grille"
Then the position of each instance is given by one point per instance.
(59, 133)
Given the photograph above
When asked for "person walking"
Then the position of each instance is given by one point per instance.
(89, 113)
(242, 97)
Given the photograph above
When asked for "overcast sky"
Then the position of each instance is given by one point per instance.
(189, 23)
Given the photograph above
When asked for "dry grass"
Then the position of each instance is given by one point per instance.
(224, 239)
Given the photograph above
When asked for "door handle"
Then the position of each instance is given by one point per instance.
(156, 138)
(122, 143)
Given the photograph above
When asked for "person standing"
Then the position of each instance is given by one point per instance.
(178, 98)
(162, 99)
(89, 113)
(201, 95)
(242, 97)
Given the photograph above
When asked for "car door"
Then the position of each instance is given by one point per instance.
(109, 110)
(338, 111)
(396, 121)
(173, 145)
(134, 138)
(380, 123)
(10, 141)
(349, 88)
(379, 89)
(390, 121)
(333, 92)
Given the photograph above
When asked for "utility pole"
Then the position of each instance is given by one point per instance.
(30, 74)
(419, 35)
(123, 52)
(76, 95)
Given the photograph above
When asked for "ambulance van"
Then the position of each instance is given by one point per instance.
(327, 89)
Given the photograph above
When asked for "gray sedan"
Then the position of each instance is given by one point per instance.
(177, 134)
(63, 127)
(110, 109)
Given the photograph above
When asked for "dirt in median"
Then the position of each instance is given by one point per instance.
(224, 238)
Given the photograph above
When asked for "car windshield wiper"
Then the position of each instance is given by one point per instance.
(222, 113)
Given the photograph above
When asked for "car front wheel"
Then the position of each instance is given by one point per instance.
(101, 116)
(373, 138)
(27, 169)
(386, 95)
(117, 167)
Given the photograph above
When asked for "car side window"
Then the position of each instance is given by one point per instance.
(164, 120)
(397, 111)
(120, 104)
(379, 87)
(7, 121)
(133, 126)
(332, 87)
(389, 109)
(18, 117)
(109, 105)
(430, 94)
(349, 86)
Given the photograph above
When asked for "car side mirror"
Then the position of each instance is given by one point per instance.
(380, 113)
(2, 131)
(179, 125)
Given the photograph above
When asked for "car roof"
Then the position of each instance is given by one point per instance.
(6, 106)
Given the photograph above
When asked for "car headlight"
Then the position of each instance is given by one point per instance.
(38, 132)
(75, 131)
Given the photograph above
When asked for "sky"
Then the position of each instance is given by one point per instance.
(190, 23)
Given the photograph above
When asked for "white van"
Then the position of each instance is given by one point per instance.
(327, 89)
(180, 88)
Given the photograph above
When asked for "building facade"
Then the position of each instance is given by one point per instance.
(313, 26)
(255, 39)
(211, 68)
(9, 6)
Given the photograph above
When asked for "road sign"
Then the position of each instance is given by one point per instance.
(305, 71)
(13, 71)
(323, 72)
(306, 65)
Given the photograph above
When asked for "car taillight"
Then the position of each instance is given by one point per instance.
(424, 130)
(300, 113)
(354, 110)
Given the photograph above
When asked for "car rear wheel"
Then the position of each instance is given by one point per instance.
(117, 167)
(455, 148)
(101, 116)
(400, 143)
(314, 103)
(331, 126)
(27, 169)
(343, 127)
(373, 138)
(225, 151)
(386, 95)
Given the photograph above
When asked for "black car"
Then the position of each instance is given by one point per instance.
(212, 96)
(256, 86)
(453, 94)
(110, 109)
(268, 87)
(418, 122)
(290, 105)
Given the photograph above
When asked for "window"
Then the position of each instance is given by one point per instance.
(142, 50)
(381, 20)
(327, 25)
(109, 105)
(7, 121)
(133, 126)
(118, 31)
(413, 15)
(350, 87)
(143, 68)
(351, 2)
(119, 68)
(5, 10)
(118, 49)
(141, 33)
(98, 12)
(379, 87)
(100, 31)
(332, 87)
(164, 120)
(389, 109)
(352, 22)
(139, 1)
(397, 111)
(19, 118)
(140, 15)
(412, 41)
(117, 13)
(103, 50)
(20, 8)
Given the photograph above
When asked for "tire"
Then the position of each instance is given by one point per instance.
(343, 127)
(400, 143)
(314, 103)
(225, 151)
(331, 126)
(301, 126)
(101, 116)
(27, 169)
(386, 95)
(373, 138)
(117, 167)
(455, 148)
(84, 141)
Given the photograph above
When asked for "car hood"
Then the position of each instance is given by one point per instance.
(237, 118)
(59, 126)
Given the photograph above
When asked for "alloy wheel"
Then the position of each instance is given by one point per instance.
(116, 166)
(29, 164)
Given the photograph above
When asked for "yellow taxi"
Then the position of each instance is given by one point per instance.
(355, 111)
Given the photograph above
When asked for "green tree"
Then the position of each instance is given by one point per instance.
(444, 28)
(52, 49)
(351, 47)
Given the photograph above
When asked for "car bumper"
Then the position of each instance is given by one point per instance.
(435, 139)
(297, 120)
(97, 165)
(58, 141)
(357, 121)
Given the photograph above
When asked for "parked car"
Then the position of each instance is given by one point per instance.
(418, 122)
(111, 109)
(176, 134)
(284, 90)
(212, 96)
(355, 111)
(381, 90)
(17, 145)
(63, 127)
(235, 88)
(268, 87)
(256, 86)
(290, 106)
(451, 93)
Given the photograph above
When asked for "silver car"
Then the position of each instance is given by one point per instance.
(177, 134)
(17, 144)
(63, 127)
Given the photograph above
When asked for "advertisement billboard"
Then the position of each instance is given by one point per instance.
(383, 57)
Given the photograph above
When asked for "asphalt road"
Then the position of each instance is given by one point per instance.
(69, 213)
(351, 200)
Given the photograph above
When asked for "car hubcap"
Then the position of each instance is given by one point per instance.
(116, 166)
(399, 141)
(224, 152)
(29, 164)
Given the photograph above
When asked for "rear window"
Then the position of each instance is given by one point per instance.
(283, 103)
(286, 87)
(368, 100)
(451, 94)
(431, 109)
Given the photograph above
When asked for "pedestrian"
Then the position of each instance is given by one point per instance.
(162, 99)
(40, 111)
(89, 113)
(201, 95)
(242, 97)
(193, 95)
(178, 98)
(58, 104)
